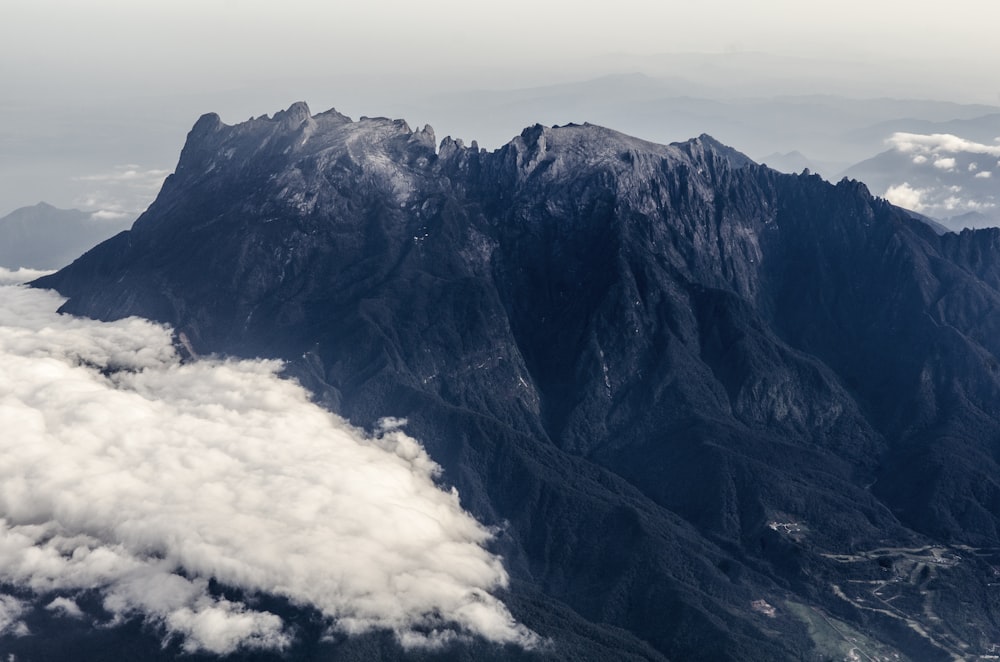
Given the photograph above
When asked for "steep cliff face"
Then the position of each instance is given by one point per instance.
(689, 385)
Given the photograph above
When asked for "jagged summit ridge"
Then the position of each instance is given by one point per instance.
(294, 156)
(589, 143)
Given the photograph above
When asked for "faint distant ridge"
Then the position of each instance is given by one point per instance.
(790, 162)
(972, 220)
(938, 227)
(46, 237)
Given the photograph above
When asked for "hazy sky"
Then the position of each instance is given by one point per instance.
(106, 42)
(95, 88)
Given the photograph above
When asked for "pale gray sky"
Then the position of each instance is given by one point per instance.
(94, 87)
(87, 42)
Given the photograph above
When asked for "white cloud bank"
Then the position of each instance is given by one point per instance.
(125, 471)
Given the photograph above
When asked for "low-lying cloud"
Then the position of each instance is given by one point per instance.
(906, 196)
(128, 472)
(150, 178)
(934, 200)
(939, 143)
(11, 611)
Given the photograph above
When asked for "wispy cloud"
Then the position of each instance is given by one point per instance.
(132, 474)
(11, 612)
(939, 143)
(131, 174)
(108, 215)
(123, 192)
(935, 200)
(66, 607)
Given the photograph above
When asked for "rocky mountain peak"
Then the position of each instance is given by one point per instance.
(705, 147)
(294, 115)
(755, 386)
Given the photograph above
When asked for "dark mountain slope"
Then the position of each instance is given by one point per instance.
(685, 382)
(915, 338)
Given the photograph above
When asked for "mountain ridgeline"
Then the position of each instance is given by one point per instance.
(718, 412)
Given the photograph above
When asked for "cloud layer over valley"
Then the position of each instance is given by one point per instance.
(132, 474)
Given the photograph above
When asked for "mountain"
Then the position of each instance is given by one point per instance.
(44, 237)
(719, 412)
(789, 162)
(973, 220)
(941, 175)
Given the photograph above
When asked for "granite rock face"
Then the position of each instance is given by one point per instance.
(702, 397)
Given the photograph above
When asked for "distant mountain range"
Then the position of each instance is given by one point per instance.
(720, 412)
(44, 237)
